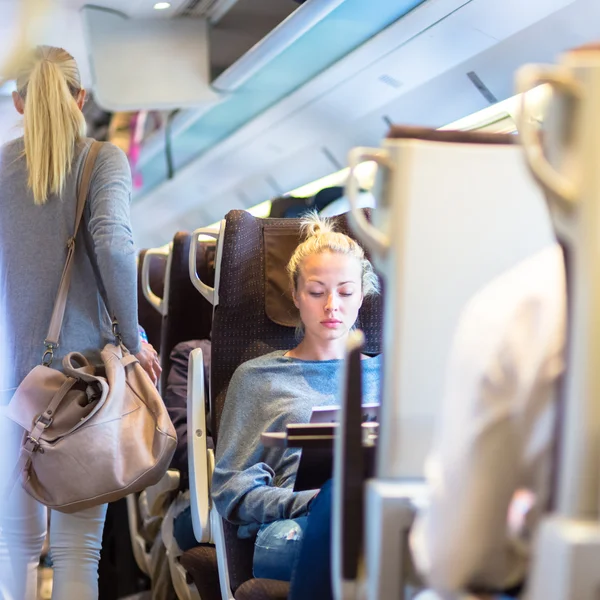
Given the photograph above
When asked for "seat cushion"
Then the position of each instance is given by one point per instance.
(201, 565)
(263, 589)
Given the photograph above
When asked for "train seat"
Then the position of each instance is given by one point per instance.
(201, 564)
(443, 238)
(252, 256)
(184, 316)
(174, 303)
(152, 268)
(155, 264)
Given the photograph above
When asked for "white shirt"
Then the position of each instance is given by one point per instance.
(496, 429)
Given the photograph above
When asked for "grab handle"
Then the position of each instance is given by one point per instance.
(376, 241)
(156, 302)
(206, 290)
(529, 77)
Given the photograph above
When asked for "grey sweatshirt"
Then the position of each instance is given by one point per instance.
(253, 484)
(32, 254)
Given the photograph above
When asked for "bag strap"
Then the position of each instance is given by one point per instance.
(60, 303)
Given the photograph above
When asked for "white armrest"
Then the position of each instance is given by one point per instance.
(207, 291)
(199, 457)
(158, 303)
(390, 509)
(219, 535)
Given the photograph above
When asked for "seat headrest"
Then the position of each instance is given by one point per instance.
(279, 245)
(452, 136)
(280, 240)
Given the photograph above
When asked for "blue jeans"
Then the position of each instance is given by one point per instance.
(312, 571)
(277, 548)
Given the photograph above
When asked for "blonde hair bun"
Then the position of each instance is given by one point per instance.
(321, 236)
(312, 224)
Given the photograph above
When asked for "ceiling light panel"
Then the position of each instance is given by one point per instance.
(212, 10)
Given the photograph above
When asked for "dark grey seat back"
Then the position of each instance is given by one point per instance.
(189, 315)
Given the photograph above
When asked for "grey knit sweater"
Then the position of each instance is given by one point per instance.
(253, 484)
(32, 254)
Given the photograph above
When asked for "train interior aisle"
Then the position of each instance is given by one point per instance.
(45, 583)
(457, 143)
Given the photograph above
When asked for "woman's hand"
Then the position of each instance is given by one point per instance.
(522, 502)
(149, 360)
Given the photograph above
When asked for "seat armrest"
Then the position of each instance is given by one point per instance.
(349, 478)
(221, 548)
(390, 509)
(209, 293)
(199, 457)
(159, 304)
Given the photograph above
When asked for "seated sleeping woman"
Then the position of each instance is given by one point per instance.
(253, 485)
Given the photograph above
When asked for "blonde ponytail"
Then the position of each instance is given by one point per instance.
(321, 237)
(53, 122)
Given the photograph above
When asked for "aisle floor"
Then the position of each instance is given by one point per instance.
(44, 583)
(45, 587)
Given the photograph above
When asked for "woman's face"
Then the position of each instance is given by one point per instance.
(329, 295)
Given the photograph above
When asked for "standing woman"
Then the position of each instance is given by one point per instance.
(39, 175)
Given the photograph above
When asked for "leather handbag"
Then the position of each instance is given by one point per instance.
(92, 434)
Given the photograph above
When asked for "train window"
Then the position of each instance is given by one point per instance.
(498, 118)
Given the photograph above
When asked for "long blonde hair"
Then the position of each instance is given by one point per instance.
(322, 237)
(50, 83)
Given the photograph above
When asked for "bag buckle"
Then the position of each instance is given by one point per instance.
(116, 331)
(46, 421)
(37, 446)
(48, 353)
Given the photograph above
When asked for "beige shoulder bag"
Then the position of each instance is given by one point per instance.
(93, 435)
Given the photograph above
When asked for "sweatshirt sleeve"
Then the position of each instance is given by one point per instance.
(110, 229)
(244, 486)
